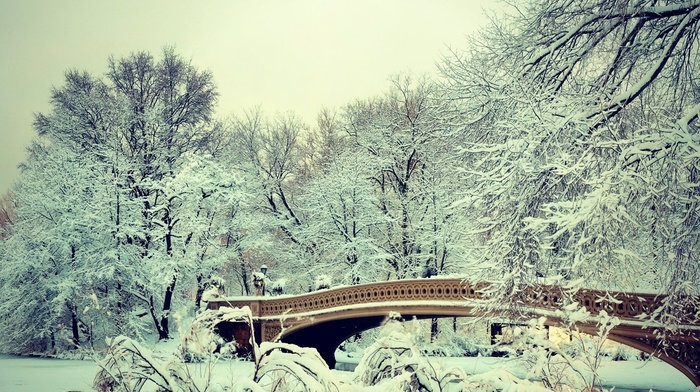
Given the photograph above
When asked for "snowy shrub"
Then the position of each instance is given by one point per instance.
(459, 345)
(204, 337)
(625, 353)
(391, 355)
(498, 380)
(358, 343)
(285, 367)
(323, 282)
(277, 287)
(453, 340)
(395, 362)
(130, 367)
(571, 366)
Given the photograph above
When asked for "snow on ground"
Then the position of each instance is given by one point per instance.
(632, 375)
(22, 374)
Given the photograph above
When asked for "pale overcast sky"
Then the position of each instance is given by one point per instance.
(283, 55)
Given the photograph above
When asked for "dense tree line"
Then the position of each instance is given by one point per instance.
(562, 145)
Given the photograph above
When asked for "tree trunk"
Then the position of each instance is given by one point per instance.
(74, 324)
(52, 342)
(152, 310)
(164, 332)
(200, 292)
(244, 273)
(433, 329)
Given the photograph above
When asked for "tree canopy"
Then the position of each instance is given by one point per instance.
(561, 145)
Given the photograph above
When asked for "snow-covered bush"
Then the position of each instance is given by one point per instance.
(469, 340)
(454, 338)
(625, 353)
(323, 282)
(497, 380)
(457, 345)
(358, 343)
(566, 367)
(130, 367)
(393, 353)
(285, 367)
(395, 362)
(278, 286)
(582, 344)
(206, 338)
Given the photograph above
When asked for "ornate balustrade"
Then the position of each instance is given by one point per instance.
(626, 306)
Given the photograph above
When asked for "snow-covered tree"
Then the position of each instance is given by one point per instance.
(63, 266)
(271, 147)
(342, 217)
(171, 106)
(123, 196)
(403, 139)
(580, 121)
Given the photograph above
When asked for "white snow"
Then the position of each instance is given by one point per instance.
(22, 374)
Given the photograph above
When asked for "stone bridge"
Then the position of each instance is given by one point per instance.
(325, 318)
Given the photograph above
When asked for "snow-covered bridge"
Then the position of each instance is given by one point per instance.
(324, 319)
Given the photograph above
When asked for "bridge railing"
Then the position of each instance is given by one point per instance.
(626, 306)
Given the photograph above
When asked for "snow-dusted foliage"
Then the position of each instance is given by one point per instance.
(323, 282)
(405, 140)
(580, 129)
(278, 286)
(285, 367)
(120, 208)
(204, 337)
(365, 196)
(268, 151)
(395, 363)
(131, 367)
(560, 365)
(340, 212)
(63, 259)
(392, 354)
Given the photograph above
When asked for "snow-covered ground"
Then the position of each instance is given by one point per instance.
(624, 375)
(20, 374)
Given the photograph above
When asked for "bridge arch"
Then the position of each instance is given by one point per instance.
(326, 331)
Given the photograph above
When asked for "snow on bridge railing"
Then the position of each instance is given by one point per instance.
(626, 306)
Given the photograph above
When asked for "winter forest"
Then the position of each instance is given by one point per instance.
(561, 142)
